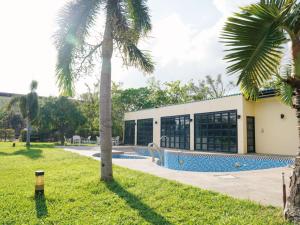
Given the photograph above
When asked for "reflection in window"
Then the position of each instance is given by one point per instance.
(129, 132)
(216, 131)
(144, 132)
(177, 131)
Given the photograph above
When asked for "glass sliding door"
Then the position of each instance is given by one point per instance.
(144, 132)
(216, 131)
(250, 134)
(129, 132)
(177, 131)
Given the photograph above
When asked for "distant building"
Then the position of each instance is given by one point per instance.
(230, 124)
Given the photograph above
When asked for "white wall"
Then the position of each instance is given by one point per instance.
(274, 135)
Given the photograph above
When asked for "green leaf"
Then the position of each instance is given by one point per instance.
(139, 14)
(255, 38)
(135, 57)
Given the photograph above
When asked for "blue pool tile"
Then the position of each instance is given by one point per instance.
(218, 163)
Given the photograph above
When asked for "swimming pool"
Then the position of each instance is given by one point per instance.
(125, 156)
(180, 160)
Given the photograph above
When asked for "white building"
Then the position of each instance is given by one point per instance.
(228, 124)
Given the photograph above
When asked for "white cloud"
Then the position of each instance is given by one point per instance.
(185, 52)
(171, 40)
(228, 7)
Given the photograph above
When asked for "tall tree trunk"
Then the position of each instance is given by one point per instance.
(105, 101)
(28, 133)
(62, 138)
(292, 210)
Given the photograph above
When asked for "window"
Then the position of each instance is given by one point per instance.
(129, 131)
(177, 131)
(216, 131)
(144, 131)
(250, 134)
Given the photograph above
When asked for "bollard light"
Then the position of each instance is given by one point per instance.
(39, 182)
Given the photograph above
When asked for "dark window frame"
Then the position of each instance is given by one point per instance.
(177, 129)
(128, 139)
(144, 131)
(253, 150)
(216, 131)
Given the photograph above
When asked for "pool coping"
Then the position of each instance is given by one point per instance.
(221, 154)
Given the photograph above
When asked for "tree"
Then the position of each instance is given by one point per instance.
(60, 115)
(177, 93)
(134, 99)
(29, 107)
(158, 95)
(256, 36)
(126, 22)
(12, 120)
(89, 106)
(7, 134)
(216, 87)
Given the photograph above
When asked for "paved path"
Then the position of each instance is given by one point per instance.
(263, 186)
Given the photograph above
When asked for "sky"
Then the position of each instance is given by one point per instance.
(184, 44)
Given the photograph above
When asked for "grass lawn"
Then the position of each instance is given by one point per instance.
(75, 196)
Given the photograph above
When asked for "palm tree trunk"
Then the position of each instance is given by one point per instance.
(62, 138)
(28, 134)
(105, 102)
(292, 210)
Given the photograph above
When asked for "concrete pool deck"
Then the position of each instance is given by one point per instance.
(262, 186)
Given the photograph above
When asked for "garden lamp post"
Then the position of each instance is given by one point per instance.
(39, 182)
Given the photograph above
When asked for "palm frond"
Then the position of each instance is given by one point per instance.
(23, 106)
(139, 14)
(122, 26)
(292, 22)
(127, 36)
(133, 56)
(285, 91)
(75, 20)
(255, 39)
(280, 4)
(33, 85)
(13, 101)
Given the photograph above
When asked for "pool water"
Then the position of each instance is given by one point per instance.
(124, 156)
(218, 163)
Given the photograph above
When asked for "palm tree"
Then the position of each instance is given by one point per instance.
(256, 37)
(126, 22)
(29, 107)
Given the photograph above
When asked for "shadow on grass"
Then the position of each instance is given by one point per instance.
(32, 153)
(42, 145)
(40, 206)
(135, 203)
